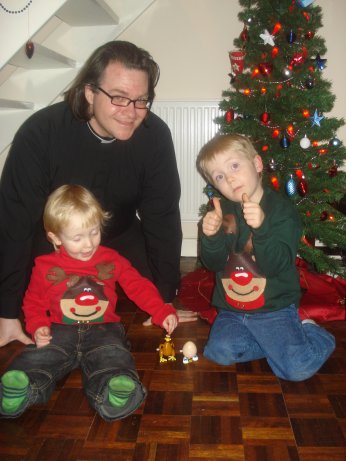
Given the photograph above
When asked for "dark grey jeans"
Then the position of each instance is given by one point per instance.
(101, 351)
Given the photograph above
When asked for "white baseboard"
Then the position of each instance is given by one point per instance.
(190, 231)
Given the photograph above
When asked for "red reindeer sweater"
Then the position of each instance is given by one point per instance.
(67, 291)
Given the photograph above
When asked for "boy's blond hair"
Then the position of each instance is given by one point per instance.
(68, 200)
(220, 144)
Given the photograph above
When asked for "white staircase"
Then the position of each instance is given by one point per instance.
(66, 33)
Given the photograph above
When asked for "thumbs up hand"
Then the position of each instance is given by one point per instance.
(212, 221)
(253, 213)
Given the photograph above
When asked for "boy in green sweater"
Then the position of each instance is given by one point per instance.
(250, 240)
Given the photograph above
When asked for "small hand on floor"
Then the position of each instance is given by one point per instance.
(183, 316)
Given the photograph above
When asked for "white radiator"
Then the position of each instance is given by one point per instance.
(192, 125)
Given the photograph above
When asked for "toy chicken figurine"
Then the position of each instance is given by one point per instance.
(166, 350)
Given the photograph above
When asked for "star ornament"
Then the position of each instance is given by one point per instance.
(319, 62)
(316, 119)
(267, 38)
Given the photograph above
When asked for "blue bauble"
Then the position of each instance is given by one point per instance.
(291, 187)
(335, 142)
(285, 142)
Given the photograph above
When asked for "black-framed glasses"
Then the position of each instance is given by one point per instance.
(123, 101)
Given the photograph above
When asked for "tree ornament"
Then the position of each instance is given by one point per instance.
(333, 171)
(307, 241)
(29, 49)
(324, 215)
(265, 117)
(309, 35)
(265, 68)
(291, 37)
(229, 116)
(232, 78)
(319, 62)
(237, 59)
(275, 133)
(275, 52)
(290, 130)
(305, 142)
(323, 151)
(316, 119)
(302, 187)
(276, 28)
(271, 165)
(287, 72)
(210, 191)
(335, 142)
(304, 3)
(309, 83)
(267, 38)
(291, 187)
(285, 142)
(244, 35)
(299, 58)
(275, 182)
(306, 113)
(306, 16)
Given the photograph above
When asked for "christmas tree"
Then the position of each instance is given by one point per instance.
(279, 97)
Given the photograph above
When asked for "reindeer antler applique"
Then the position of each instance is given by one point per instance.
(57, 275)
(105, 271)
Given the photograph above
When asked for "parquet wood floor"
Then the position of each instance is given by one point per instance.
(194, 412)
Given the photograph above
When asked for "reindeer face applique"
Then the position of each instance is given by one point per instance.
(84, 300)
(243, 283)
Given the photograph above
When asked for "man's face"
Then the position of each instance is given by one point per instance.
(113, 121)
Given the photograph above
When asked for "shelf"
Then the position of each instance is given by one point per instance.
(87, 13)
(43, 58)
(12, 104)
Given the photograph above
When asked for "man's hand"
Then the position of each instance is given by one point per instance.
(212, 221)
(11, 330)
(42, 336)
(253, 213)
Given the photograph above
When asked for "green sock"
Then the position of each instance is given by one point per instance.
(119, 390)
(15, 385)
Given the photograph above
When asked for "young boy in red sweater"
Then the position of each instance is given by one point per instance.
(70, 311)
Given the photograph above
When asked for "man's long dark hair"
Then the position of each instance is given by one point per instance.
(126, 53)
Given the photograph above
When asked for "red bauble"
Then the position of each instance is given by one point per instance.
(299, 58)
(229, 116)
(244, 35)
(265, 68)
(265, 117)
(302, 187)
(333, 171)
(29, 49)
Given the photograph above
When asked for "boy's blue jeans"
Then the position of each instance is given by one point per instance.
(100, 350)
(294, 351)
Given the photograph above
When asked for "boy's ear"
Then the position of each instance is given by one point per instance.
(258, 163)
(54, 239)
